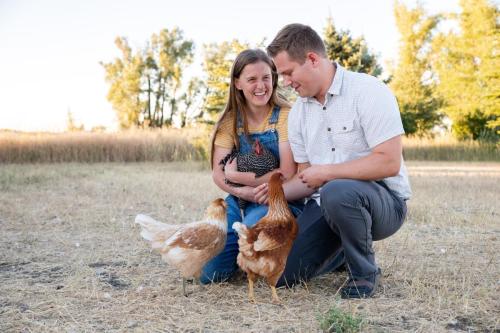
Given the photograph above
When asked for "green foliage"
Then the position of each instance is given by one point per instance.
(145, 85)
(416, 98)
(217, 64)
(124, 77)
(351, 53)
(190, 99)
(467, 63)
(336, 320)
(474, 126)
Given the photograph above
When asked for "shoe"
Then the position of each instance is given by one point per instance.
(361, 288)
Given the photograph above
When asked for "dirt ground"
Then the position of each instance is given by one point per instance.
(72, 260)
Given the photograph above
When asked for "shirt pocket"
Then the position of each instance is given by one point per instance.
(347, 136)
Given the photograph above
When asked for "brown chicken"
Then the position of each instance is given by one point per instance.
(188, 247)
(264, 248)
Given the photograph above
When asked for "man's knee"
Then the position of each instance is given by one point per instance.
(341, 192)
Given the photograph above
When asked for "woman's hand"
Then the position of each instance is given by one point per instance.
(230, 170)
(245, 193)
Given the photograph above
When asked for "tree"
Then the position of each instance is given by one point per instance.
(351, 53)
(411, 80)
(217, 64)
(170, 54)
(145, 85)
(190, 99)
(124, 76)
(467, 63)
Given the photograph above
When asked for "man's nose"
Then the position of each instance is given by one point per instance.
(286, 81)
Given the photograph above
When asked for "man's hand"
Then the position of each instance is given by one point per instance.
(313, 176)
(261, 193)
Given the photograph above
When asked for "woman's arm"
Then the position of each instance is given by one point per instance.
(245, 192)
(288, 168)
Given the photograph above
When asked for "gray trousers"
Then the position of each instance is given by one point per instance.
(352, 215)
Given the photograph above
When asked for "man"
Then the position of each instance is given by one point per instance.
(345, 133)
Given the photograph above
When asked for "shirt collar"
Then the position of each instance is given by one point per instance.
(337, 80)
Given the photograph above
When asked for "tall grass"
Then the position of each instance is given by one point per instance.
(448, 149)
(129, 146)
(190, 144)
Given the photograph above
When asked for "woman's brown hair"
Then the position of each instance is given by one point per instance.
(237, 102)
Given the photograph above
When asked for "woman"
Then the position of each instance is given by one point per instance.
(254, 111)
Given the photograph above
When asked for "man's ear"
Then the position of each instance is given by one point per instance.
(313, 58)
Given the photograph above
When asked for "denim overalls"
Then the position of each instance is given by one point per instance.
(224, 265)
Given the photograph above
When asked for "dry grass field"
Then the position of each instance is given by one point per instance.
(72, 260)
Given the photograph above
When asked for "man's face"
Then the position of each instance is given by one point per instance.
(299, 76)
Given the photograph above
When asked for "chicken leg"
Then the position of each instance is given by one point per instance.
(251, 279)
(276, 299)
(184, 287)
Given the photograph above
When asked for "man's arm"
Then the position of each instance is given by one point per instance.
(384, 161)
(294, 189)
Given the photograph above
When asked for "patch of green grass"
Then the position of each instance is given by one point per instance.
(338, 321)
(10, 177)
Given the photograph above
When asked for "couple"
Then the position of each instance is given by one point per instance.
(339, 147)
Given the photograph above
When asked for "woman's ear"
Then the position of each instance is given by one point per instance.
(237, 84)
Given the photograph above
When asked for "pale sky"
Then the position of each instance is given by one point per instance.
(51, 49)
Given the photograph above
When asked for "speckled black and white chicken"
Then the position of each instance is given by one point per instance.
(259, 161)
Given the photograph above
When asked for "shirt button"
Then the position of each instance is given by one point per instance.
(324, 107)
(329, 129)
(333, 149)
(344, 128)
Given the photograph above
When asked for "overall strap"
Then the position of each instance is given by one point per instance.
(273, 120)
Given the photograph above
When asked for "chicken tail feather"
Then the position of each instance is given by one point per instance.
(241, 229)
(153, 230)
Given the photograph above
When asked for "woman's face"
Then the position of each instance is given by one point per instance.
(256, 83)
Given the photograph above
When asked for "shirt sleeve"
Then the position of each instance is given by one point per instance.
(379, 113)
(282, 125)
(295, 135)
(224, 137)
